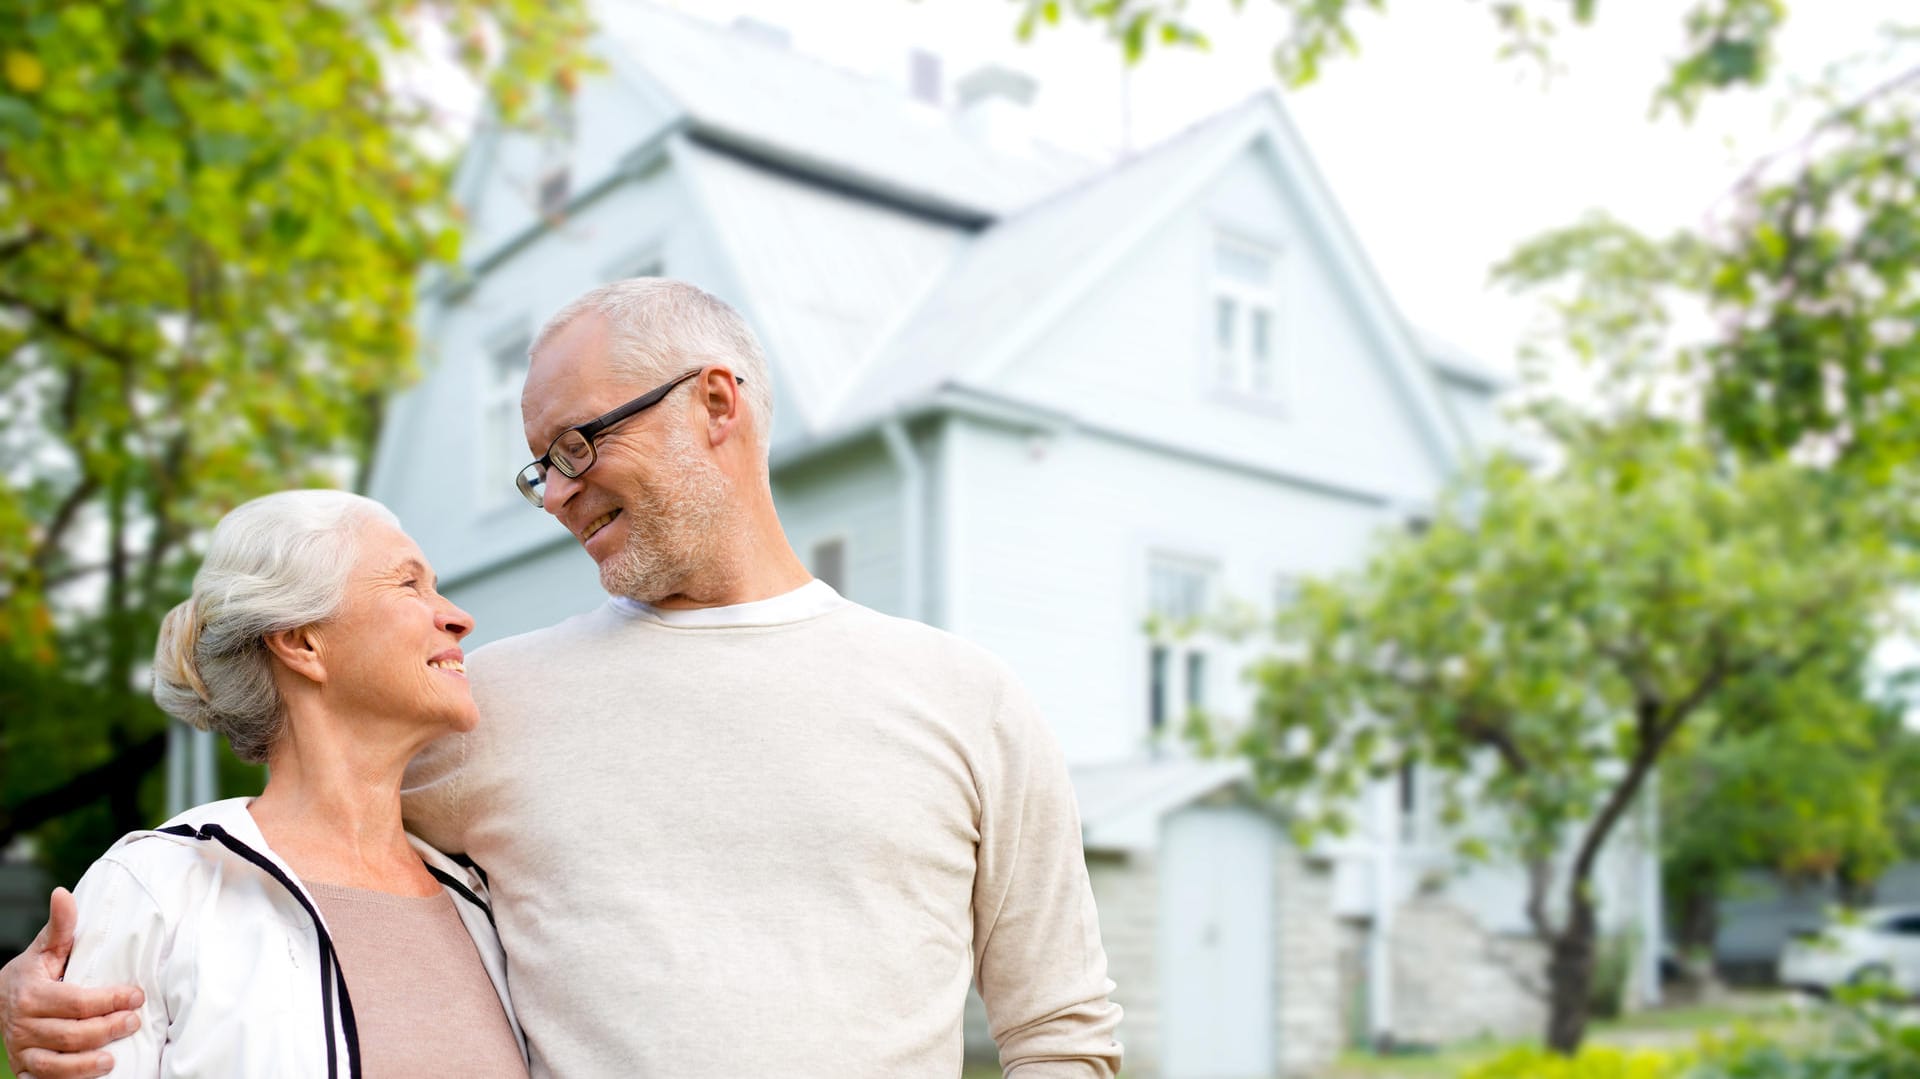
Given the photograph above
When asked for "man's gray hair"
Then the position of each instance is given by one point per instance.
(276, 563)
(658, 328)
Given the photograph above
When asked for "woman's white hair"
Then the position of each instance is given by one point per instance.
(276, 563)
(658, 328)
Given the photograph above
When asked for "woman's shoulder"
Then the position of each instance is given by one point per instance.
(178, 854)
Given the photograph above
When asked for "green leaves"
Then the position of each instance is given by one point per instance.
(213, 218)
(1726, 42)
(1544, 642)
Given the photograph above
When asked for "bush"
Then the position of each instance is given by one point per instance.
(1593, 1062)
(1871, 1037)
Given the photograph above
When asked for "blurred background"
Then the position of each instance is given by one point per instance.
(1445, 471)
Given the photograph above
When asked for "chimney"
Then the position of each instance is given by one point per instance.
(924, 76)
(994, 104)
(765, 33)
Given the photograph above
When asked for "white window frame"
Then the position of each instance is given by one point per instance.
(495, 437)
(1231, 366)
(1181, 644)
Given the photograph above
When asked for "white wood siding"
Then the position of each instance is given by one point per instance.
(1052, 536)
(1137, 354)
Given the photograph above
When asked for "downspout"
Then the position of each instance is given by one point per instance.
(1380, 1018)
(913, 483)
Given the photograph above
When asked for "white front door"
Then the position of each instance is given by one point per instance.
(1216, 944)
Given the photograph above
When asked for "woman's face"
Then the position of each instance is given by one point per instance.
(393, 651)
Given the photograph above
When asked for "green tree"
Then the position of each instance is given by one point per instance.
(1806, 797)
(1785, 321)
(1723, 42)
(1541, 646)
(213, 218)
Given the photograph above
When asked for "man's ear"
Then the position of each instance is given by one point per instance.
(719, 394)
(298, 650)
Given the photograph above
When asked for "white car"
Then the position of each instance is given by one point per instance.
(1877, 944)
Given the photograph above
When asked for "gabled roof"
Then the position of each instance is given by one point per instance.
(888, 254)
(1043, 260)
(1025, 264)
(828, 273)
(768, 102)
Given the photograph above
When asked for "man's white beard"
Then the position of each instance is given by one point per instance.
(672, 527)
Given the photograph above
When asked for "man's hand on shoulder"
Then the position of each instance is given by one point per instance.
(54, 1030)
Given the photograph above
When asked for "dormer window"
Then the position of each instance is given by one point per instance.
(1246, 318)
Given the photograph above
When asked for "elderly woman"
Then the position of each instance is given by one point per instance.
(303, 932)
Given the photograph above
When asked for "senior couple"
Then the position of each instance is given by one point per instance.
(727, 824)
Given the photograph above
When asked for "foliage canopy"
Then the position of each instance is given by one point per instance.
(213, 217)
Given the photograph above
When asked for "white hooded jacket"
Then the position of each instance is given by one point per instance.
(235, 960)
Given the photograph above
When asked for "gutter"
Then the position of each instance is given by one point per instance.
(913, 482)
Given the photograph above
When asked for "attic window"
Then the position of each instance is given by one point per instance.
(1246, 318)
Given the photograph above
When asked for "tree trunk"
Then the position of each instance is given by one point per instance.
(1570, 975)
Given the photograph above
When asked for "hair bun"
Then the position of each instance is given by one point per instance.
(178, 687)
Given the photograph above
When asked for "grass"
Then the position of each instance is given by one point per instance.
(1659, 1028)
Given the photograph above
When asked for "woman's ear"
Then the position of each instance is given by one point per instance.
(298, 650)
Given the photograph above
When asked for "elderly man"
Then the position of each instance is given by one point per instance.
(735, 824)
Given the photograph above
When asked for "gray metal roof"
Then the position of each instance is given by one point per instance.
(770, 101)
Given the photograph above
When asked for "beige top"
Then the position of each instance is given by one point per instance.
(423, 1002)
(774, 845)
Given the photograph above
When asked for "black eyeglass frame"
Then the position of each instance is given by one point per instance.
(589, 432)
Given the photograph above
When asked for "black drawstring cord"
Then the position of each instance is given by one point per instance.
(466, 893)
(329, 959)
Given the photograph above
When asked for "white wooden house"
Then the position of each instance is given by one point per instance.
(1031, 399)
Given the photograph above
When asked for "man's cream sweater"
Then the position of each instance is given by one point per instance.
(774, 840)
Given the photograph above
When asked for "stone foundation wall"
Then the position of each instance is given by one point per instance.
(1452, 980)
(1307, 939)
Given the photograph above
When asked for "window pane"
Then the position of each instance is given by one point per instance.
(1226, 316)
(1196, 680)
(1261, 348)
(1177, 592)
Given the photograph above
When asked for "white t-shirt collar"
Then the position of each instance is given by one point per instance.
(816, 597)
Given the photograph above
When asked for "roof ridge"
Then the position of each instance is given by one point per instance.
(866, 81)
(1127, 162)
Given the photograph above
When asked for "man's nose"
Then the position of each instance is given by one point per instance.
(557, 490)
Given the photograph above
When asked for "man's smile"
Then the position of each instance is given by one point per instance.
(597, 524)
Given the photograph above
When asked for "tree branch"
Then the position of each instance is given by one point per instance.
(58, 321)
(1500, 740)
(124, 769)
(63, 519)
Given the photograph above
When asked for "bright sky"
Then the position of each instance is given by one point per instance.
(1443, 158)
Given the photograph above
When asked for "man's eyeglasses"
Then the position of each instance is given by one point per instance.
(572, 451)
